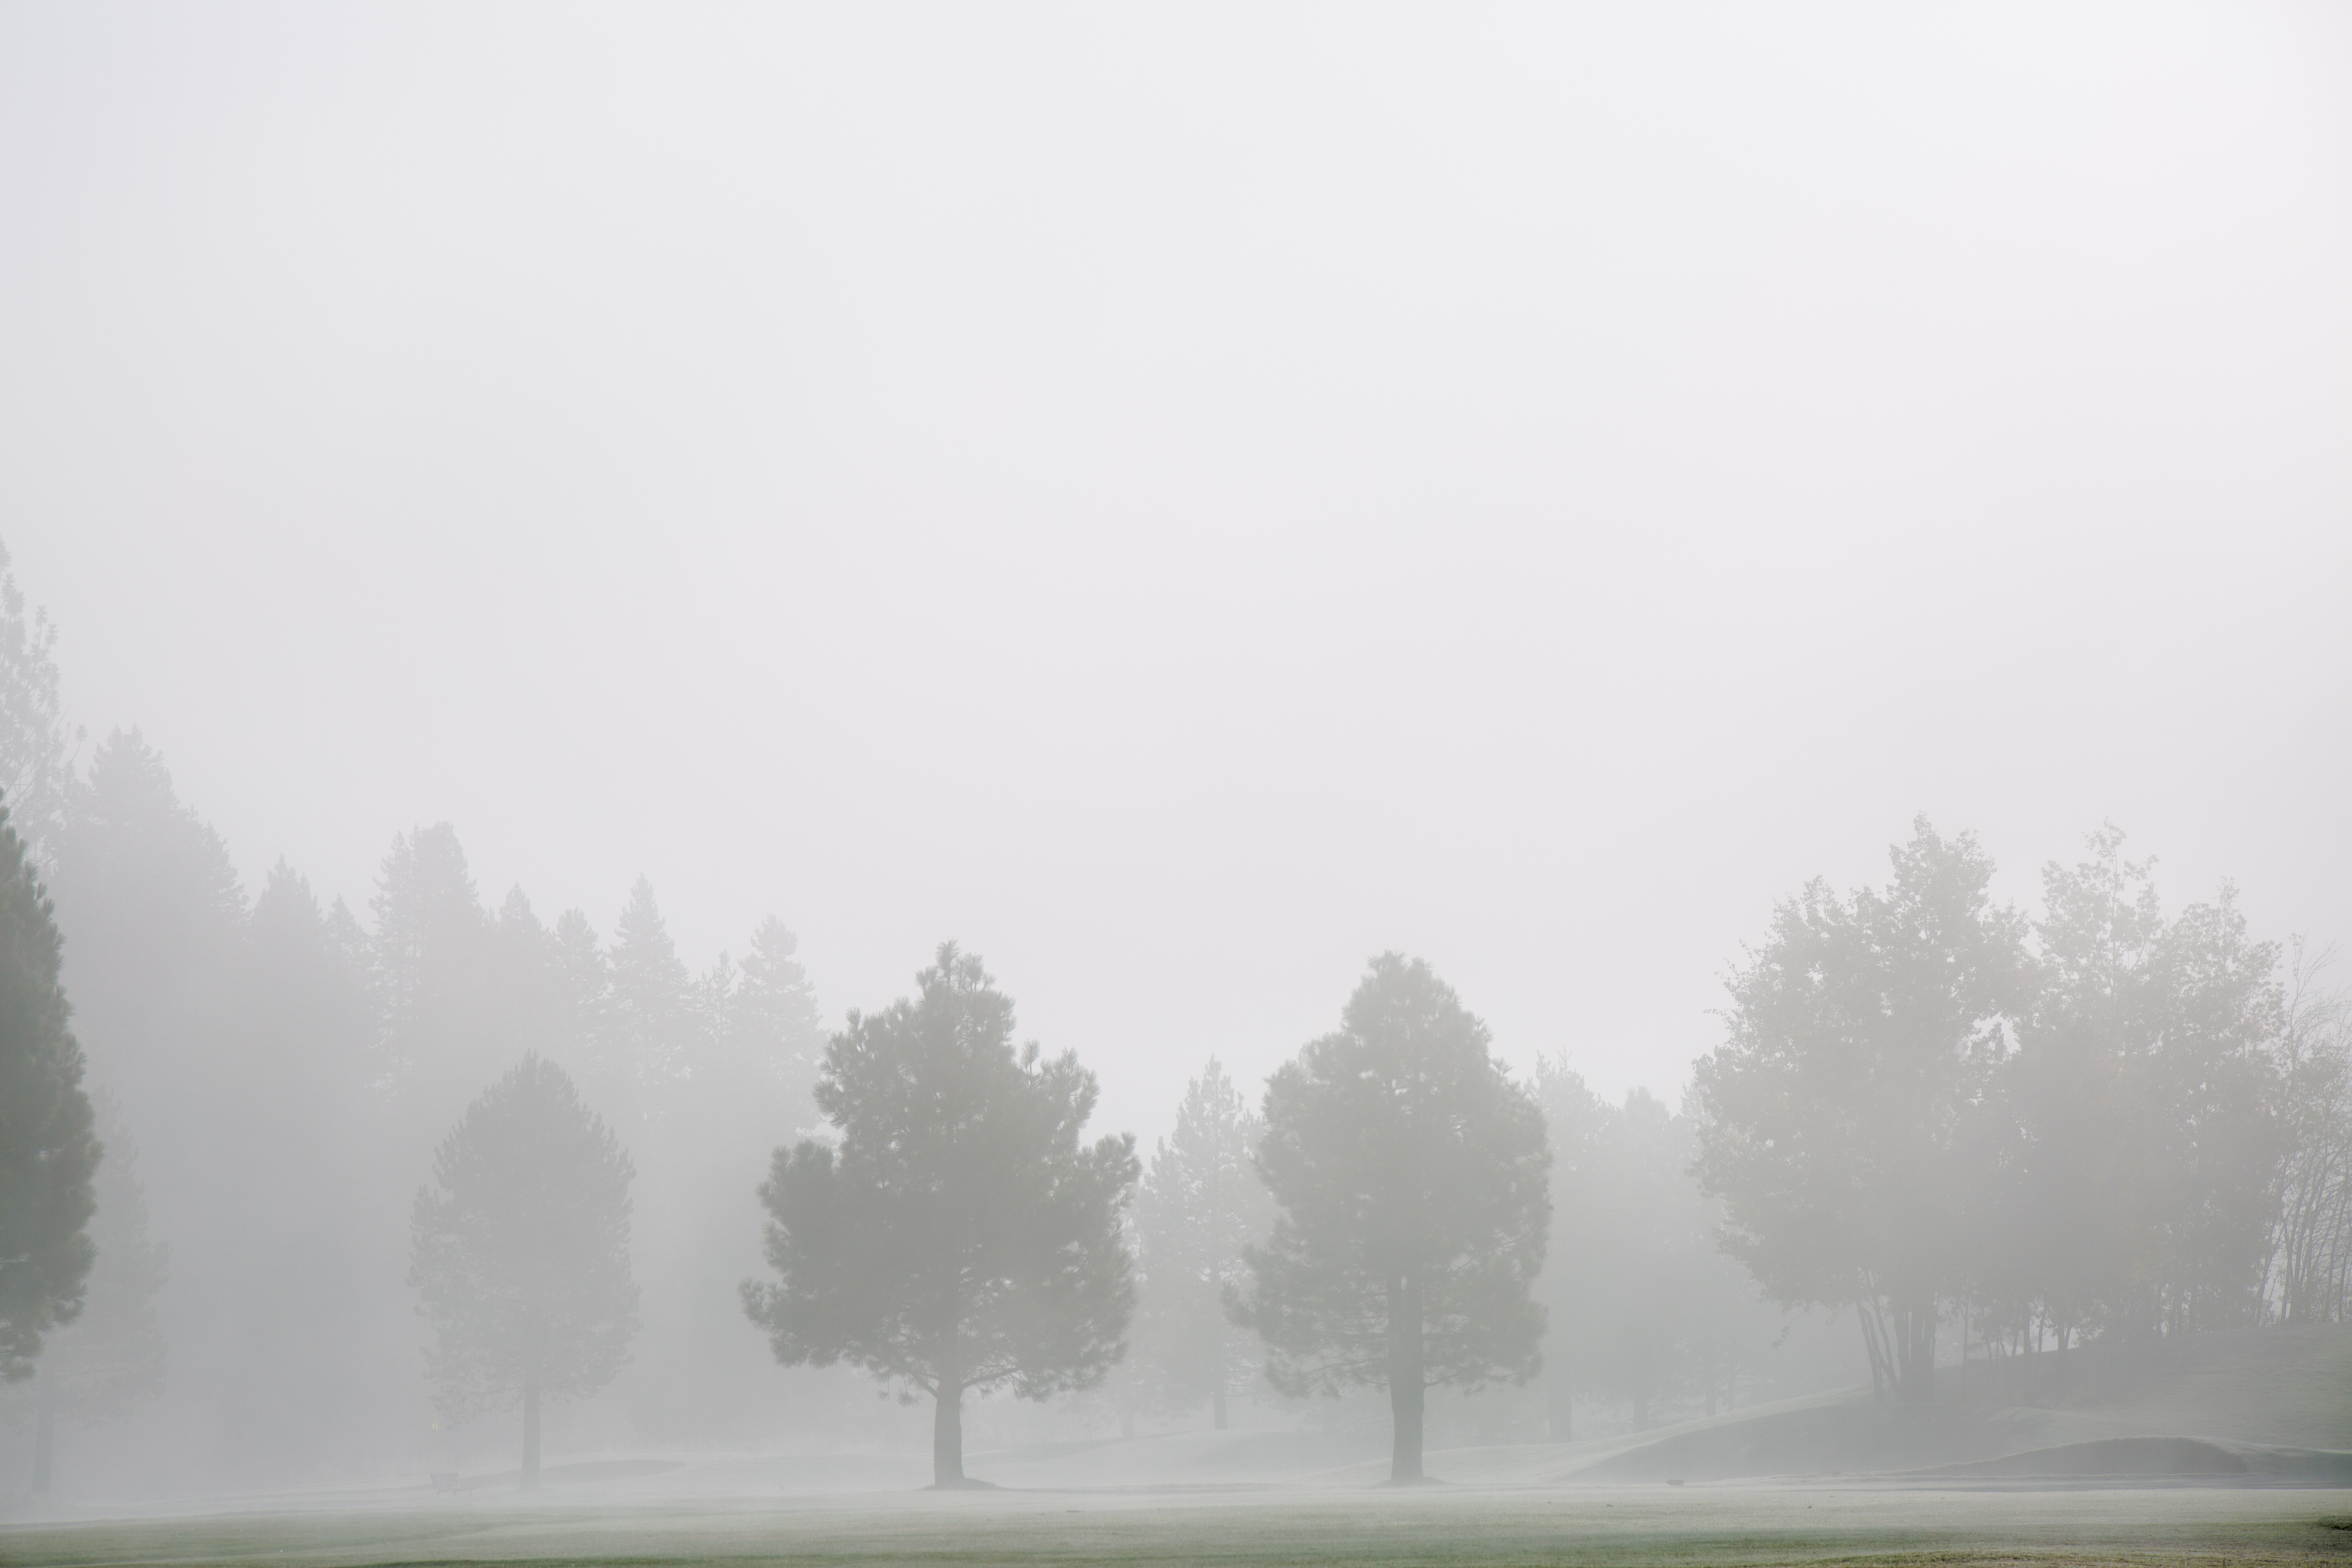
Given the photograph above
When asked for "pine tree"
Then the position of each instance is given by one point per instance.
(649, 1017)
(1409, 1174)
(1199, 1205)
(151, 901)
(111, 1361)
(773, 1031)
(521, 1253)
(49, 1144)
(37, 745)
(582, 982)
(960, 1237)
(299, 1146)
(433, 970)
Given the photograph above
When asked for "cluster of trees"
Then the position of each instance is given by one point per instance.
(1929, 1109)
(958, 1235)
(278, 1069)
(1935, 1111)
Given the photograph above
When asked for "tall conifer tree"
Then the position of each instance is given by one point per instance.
(1200, 1204)
(49, 1143)
(521, 1253)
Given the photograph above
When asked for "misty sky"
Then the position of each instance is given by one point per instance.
(1181, 499)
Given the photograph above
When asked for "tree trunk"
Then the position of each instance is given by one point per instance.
(531, 1430)
(44, 1435)
(1914, 1335)
(1406, 1385)
(946, 1433)
(1217, 1405)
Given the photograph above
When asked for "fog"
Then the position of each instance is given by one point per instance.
(1178, 502)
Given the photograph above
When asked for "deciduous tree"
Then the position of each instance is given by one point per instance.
(1833, 1120)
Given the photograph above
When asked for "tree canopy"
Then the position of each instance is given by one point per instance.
(1409, 1178)
(48, 1142)
(521, 1253)
(1834, 1118)
(959, 1236)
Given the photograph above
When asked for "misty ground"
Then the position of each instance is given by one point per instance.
(1750, 1523)
(2230, 1446)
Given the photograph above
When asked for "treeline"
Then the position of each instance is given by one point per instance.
(287, 1071)
(1984, 1133)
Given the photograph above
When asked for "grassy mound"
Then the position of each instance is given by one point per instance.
(2209, 1406)
(2163, 1458)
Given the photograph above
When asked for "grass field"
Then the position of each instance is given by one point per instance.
(1439, 1524)
(1971, 1483)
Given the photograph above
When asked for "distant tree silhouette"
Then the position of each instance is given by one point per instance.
(435, 974)
(959, 1238)
(2314, 1267)
(49, 1144)
(157, 916)
(1574, 1119)
(112, 1359)
(1410, 1178)
(648, 1044)
(1835, 1121)
(521, 1253)
(1199, 1205)
(36, 744)
(2142, 1123)
(771, 1037)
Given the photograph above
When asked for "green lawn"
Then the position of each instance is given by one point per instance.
(1434, 1525)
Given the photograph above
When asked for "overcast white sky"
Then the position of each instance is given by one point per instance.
(1183, 499)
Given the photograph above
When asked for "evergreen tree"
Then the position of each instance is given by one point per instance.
(1835, 1121)
(582, 983)
(111, 1361)
(147, 893)
(1574, 1118)
(433, 972)
(960, 1237)
(521, 1253)
(1411, 1176)
(649, 1022)
(1199, 1205)
(299, 1148)
(37, 745)
(49, 1144)
(773, 1032)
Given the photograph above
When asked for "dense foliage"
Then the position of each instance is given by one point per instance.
(521, 1253)
(1409, 1176)
(959, 1236)
(48, 1145)
(2102, 1122)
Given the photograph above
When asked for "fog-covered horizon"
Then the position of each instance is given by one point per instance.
(1178, 502)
